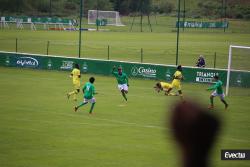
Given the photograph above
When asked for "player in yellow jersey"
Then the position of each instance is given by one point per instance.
(176, 83)
(75, 75)
(164, 86)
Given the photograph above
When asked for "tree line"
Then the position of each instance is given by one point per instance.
(70, 8)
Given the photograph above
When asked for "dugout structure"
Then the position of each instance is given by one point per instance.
(33, 22)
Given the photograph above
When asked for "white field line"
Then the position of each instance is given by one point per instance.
(92, 117)
(49, 122)
(114, 123)
(117, 121)
(154, 127)
(235, 140)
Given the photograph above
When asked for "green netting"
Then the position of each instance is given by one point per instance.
(240, 59)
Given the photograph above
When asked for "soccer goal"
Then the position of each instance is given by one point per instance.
(108, 17)
(238, 61)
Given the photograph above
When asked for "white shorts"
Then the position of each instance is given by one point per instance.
(123, 87)
(89, 100)
(222, 96)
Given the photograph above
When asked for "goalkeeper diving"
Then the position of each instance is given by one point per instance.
(164, 86)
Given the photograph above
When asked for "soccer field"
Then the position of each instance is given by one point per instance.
(126, 46)
(38, 127)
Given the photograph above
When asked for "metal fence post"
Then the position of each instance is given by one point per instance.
(48, 48)
(108, 52)
(16, 44)
(215, 55)
(141, 55)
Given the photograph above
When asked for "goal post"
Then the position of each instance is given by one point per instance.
(109, 17)
(229, 67)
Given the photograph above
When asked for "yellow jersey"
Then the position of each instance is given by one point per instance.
(178, 76)
(75, 75)
(176, 83)
(165, 85)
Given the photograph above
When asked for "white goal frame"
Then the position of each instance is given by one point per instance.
(230, 62)
(98, 15)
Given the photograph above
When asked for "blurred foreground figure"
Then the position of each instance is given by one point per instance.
(195, 131)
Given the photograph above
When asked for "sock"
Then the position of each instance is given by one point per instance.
(212, 101)
(92, 107)
(83, 103)
(124, 96)
(71, 93)
(225, 103)
(75, 92)
(74, 96)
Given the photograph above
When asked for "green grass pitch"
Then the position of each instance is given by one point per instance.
(38, 127)
(126, 46)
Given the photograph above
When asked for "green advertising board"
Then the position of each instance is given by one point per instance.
(136, 70)
(51, 20)
(15, 19)
(195, 24)
(45, 20)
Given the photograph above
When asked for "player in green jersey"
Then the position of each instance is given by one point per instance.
(122, 80)
(218, 91)
(89, 92)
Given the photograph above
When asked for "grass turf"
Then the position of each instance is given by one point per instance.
(39, 128)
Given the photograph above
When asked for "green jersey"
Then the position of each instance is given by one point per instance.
(121, 79)
(217, 86)
(89, 90)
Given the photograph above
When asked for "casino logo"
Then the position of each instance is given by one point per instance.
(27, 62)
(142, 71)
(134, 71)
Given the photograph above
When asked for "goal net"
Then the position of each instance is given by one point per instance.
(238, 71)
(109, 17)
